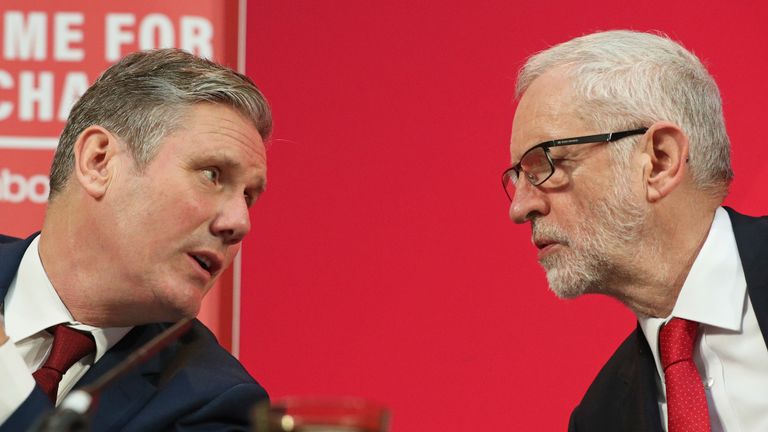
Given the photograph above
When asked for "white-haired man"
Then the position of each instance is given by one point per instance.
(620, 164)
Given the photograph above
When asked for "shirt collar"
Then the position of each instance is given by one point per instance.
(714, 290)
(33, 305)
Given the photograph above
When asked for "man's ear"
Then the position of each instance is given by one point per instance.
(667, 158)
(94, 149)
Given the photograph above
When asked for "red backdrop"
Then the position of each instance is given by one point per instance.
(382, 262)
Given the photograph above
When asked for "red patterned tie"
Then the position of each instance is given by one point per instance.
(69, 346)
(686, 402)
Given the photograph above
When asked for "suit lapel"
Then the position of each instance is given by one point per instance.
(637, 402)
(123, 398)
(752, 240)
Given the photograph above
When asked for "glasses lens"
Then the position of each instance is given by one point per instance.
(535, 165)
(509, 179)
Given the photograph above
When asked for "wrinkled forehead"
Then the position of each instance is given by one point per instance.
(547, 110)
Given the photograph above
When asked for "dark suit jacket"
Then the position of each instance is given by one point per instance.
(623, 396)
(193, 385)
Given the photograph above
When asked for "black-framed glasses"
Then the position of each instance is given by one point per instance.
(537, 164)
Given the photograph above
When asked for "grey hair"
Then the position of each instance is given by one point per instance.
(626, 79)
(144, 97)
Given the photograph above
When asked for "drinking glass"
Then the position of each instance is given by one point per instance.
(320, 414)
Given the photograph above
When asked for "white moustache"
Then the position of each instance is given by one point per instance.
(541, 233)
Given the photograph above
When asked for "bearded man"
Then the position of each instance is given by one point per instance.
(620, 163)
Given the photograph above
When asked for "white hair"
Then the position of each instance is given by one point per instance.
(625, 79)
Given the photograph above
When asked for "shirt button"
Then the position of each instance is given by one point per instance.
(709, 382)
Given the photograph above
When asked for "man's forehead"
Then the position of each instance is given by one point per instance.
(546, 111)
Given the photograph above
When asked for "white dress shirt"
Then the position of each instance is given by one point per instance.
(730, 353)
(31, 306)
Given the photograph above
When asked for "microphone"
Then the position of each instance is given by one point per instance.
(72, 414)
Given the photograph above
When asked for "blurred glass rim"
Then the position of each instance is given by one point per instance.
(291, 412)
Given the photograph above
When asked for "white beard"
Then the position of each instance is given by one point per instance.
(591, 255)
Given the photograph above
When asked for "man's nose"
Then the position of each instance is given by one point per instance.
(233, 221)
(528, 202)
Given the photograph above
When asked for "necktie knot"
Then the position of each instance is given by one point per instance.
(69, 346)
(676, 341)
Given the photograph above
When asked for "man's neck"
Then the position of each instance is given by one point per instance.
(72, 261)
(662, 266)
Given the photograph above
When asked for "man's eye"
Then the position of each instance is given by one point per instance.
(212, 174)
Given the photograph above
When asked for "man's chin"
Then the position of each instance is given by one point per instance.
(182, 303)
(178, 313)
(565, 293)
(188, 309)
(565, 286)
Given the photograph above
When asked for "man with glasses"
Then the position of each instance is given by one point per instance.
(620, 163)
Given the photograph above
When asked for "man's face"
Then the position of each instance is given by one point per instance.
(179, 222)
(586, 217)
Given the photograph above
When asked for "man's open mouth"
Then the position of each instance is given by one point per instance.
(207, 261)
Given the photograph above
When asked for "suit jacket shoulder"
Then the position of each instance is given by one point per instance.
(752, 241)
(11, 252)
(6, 239)
(622, 396)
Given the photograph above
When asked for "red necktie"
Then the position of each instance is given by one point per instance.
(69, 346)
(686, 402)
